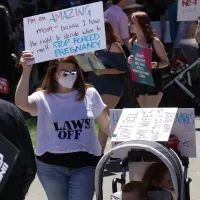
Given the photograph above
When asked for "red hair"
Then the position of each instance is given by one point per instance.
(145, 24)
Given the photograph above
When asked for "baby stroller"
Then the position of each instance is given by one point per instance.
(135, 152)
(182, 77)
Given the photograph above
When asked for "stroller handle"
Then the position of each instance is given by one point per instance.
(124, 148)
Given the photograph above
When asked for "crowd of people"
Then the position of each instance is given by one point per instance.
(68, 105)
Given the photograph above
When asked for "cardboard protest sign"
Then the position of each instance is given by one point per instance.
(65, 32)
(114, 118)
(141, 68)
(188, 10)
(151, 124)
(157, 27)
(89, 62)
(4, 86)
(8, 157)
(184, 129)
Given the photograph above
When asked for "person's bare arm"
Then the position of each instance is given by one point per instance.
(191, 30)
(21, 96)
(160, 50)
(197, 34)
(103, 120)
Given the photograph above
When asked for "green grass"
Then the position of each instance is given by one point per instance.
(32, 123)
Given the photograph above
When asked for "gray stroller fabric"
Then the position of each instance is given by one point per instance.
(168, 156)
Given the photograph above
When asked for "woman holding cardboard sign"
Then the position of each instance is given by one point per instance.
(67, 149)
(140, 25)
(110, 82)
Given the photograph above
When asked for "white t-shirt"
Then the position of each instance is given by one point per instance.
(66, 125)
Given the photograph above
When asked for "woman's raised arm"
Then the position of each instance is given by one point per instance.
(21, 96)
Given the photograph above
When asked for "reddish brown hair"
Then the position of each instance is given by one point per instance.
(111, 35)
(135, 186)
(145, 24)
(154, 174)
(49, 84)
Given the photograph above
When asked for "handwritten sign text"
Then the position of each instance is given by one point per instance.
(184, 129)
(145, 124)
(65, 32)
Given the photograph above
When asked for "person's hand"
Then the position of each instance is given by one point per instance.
(27, 56)
(154, 65)
(130, 60)
(98, 72)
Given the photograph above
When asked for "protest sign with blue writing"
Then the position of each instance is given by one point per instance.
(183, 128)
(141, 68)
(65, 32)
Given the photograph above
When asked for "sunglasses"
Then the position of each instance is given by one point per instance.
(67, 72)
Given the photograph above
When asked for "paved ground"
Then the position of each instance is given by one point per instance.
(36, 191)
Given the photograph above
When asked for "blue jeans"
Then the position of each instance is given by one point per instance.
(61, 183)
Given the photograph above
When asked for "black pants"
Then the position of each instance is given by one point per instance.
(13, 189)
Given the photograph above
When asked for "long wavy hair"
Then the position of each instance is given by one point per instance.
(145, 24)
(50, 85)
(111, 35)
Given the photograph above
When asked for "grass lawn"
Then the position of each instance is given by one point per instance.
(31, 123)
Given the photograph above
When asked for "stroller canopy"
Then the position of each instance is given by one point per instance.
(168, 156)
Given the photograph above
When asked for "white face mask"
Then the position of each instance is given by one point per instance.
(67, 79)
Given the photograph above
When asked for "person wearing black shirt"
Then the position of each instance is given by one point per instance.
(14, 129)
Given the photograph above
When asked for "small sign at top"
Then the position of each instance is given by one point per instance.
(188, 10)
(65, 32)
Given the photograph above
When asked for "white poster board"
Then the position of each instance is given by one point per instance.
(157, 27)
(65, 32)
(114, 118)
(183, 128)
(151, 124)
(188, 10)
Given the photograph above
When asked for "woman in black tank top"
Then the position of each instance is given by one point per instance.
(143, 35)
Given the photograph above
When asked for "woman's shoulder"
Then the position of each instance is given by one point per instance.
(38, 94)
(156, 41)
(92, 93)
(116, 48)
(90, 89)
